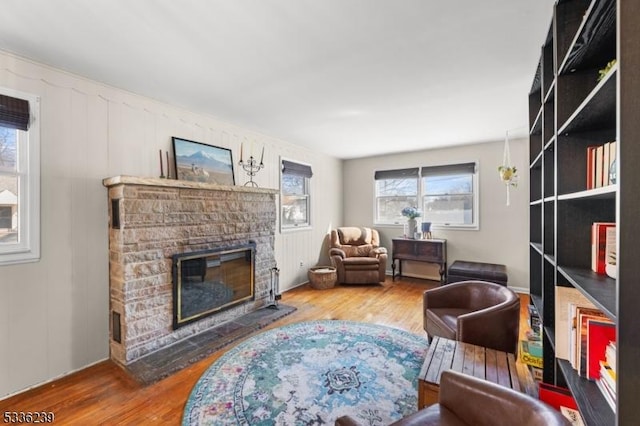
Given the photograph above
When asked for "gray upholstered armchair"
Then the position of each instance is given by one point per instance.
(357, 256)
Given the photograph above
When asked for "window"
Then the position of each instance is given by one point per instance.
(446, 195)
(295, 200)
(19, 177)
(395, 189)
(449, 195)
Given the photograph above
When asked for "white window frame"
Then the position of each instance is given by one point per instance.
(398, 174)
(296, 227)
(475, 225)
(27, 248)
(420, 201)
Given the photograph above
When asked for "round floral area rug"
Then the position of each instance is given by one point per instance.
(311, 373)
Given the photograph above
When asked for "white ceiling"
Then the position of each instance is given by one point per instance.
(350, 78)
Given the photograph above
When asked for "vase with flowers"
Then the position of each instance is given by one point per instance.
(411, 213)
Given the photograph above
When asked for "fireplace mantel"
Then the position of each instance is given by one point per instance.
(152, 219)
(174, 183)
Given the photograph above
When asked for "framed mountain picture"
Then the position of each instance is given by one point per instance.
(199, 162)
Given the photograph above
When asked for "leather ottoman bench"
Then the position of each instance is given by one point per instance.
(462, 270)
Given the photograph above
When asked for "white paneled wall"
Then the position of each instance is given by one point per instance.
(54, 313)
(504, 230)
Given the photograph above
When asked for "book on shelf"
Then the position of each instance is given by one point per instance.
(530, 353)
(605, 164)
(582, 316)
(599, 334)
(556, 396)
(536, 373)
(600, 164)
(607, 395)
(591, 164)
(608, 376)
(535, 324)
(610, 355)
(572, 415)
(613, 152)
(600, 246)
(565, 298)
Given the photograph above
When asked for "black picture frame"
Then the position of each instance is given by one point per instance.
(200, 162)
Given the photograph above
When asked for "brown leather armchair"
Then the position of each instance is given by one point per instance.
(468, 400)
(357, 256)
(478, 312)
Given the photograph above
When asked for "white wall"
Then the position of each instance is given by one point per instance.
(54, 313)
(504, 233)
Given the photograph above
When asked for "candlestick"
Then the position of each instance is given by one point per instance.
(252, 168)
(168, 167)
(241, 152)
(161, 166)
(262, 156)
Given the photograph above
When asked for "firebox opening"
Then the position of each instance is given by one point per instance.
(209, 281)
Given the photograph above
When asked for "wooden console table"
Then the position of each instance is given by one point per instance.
(431, 251)
(488, 364)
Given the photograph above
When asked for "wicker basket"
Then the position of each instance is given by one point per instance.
(322, 277)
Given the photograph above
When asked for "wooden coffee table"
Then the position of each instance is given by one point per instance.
(489, 364)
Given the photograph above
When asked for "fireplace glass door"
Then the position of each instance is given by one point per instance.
(209, 281)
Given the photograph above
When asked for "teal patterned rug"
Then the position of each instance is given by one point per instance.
(311, 373)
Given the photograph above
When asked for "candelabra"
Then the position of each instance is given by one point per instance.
(252, 167)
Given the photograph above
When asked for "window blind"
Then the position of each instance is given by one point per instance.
(397, 174)
(449, 169)
(14, 113)
(292, 168)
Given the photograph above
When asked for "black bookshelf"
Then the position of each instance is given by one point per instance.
(572, 106)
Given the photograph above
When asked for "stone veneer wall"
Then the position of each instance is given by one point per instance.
(162, 217)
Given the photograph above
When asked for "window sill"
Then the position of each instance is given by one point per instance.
(7, 259)
(295, 229)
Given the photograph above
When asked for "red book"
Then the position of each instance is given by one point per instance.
(599, 334)
(599, 245)
(583, 315)
(591, 172)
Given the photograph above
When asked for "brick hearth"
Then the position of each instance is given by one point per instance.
(152, 219)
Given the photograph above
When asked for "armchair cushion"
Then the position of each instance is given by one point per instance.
(364, 250)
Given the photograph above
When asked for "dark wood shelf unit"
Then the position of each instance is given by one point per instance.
(569, 16)
(537, 302)
(549, 211)
(572, 154)
(571, 109)
(535, 228)
(548, 67)
(537, 247)
(596, 111)
(594, 408)
(535, 172)
(535, 270)
(600, 289)
(549, 120)
(536, 127)
(595, 40)
(551, 332)
(548, 166)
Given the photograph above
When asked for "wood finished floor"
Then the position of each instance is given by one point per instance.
(104, 394)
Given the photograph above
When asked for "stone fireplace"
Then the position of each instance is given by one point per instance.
(156, 222)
